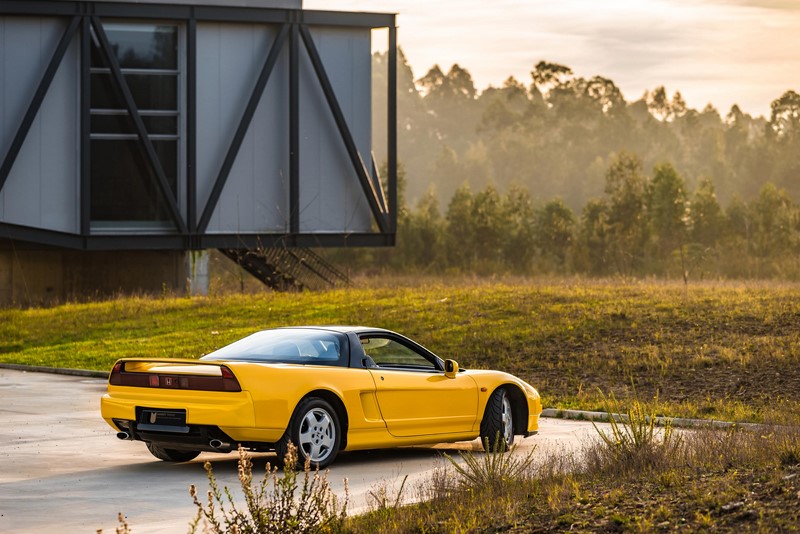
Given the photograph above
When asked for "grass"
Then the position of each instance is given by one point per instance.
(709, 480)
(715, 350)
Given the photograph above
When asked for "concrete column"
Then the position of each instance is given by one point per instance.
(198, 272)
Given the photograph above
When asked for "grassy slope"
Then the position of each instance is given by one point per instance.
(717, 350)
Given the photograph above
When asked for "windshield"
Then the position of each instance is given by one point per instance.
(286, 345)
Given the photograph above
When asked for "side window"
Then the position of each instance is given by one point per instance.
(389, 353)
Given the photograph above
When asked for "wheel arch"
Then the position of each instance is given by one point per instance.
(519, 407)
(336, 402)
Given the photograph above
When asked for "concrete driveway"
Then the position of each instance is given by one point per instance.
(63, 470)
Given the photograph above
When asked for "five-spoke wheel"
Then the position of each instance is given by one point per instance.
(315, 431)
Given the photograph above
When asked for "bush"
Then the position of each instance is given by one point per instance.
(494, 469)
(276, 504)
(635, 443)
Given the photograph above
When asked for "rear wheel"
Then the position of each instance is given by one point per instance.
(497, 426)
(171, 455)
(315, 431)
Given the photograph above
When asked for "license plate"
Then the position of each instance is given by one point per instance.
(167, 418)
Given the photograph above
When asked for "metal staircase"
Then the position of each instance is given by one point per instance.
(288, 269)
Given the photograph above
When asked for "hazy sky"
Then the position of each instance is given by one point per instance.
(720, 51)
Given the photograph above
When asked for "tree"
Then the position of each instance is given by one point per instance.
(423, 235)
(705, 216)
(548, 75)
(490, 227)
(625, 188)
(555, 227)
(519, 245)
(785, 115)
(592, 252)
(460, 230)
(667, 210)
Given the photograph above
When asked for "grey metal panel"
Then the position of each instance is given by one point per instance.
(42, 188)
(255, 196)
(331, 198)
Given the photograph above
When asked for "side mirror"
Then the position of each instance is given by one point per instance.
(450, 368)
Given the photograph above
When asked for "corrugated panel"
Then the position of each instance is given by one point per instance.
(256, 194)
(331, 198)
(42, 188)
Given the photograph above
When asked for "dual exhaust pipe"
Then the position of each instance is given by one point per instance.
(215, 444)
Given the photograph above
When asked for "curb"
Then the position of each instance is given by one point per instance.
(678, 422)
(55, 370)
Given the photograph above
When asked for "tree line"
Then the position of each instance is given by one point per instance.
(565, 175)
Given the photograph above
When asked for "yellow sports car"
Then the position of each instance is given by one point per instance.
(325, 389)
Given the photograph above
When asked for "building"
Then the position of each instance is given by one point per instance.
(134, 135)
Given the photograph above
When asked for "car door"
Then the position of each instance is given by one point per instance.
(414, 396)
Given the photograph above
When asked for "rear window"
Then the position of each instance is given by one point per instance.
(289, 345)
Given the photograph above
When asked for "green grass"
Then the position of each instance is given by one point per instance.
(720, 350)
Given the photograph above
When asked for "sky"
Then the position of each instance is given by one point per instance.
(723, 52)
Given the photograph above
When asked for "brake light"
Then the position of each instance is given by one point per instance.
(204, 380)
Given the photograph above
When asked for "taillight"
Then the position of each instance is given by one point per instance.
(225, 381)
(114, 377)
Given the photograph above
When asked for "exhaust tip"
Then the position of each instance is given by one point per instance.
(218, 444)
(123, 435)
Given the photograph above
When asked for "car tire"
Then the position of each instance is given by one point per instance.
(171, 455)
(497, 426)
(314, 429)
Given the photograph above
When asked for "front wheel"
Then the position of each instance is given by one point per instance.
(315, 431)
(497, 426)
(171, 455)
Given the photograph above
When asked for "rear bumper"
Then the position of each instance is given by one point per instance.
(202, 407)
(195, 438)
(225, 416)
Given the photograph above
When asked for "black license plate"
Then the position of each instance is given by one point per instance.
(162, 420)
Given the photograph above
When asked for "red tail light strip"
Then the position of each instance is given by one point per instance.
(226, 382)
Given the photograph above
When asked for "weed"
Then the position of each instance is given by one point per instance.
(380, 497)
(274, 505)
(494, 469)
(634, 442)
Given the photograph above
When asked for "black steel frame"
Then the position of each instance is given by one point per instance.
(82, 17)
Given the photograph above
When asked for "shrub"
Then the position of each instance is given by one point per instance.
(494, 469)
(275, 504)
(634, 442)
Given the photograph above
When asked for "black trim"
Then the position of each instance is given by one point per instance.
(391, 119)
(85, 131)
(191, 126)
(294, 131)
(38, 98)
(25, 235)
